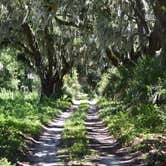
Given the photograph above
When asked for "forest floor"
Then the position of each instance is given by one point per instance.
(105, 150)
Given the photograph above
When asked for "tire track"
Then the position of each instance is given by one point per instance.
(43, 153)
(106, 148)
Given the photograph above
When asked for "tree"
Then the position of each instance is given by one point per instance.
(44, 40)
(55, 35)
(121, 29)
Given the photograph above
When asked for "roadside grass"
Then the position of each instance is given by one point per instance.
(22, 117)
(140, 127)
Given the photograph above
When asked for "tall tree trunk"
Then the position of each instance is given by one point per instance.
(160, 13)
(51, 86)
(163, 52)
(155, 39)
(143, 29)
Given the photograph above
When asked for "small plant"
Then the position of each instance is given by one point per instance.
(4, 162)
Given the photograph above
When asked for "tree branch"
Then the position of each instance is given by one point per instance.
(62, 22)
(141, 15)
(30, 39)
(66, 23)
(112, 57)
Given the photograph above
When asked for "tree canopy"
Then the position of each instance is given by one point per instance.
(53, 36)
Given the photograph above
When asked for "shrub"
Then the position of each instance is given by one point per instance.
(127, 123)
(135, 84)
(4, 162)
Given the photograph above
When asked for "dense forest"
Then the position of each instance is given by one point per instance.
(92, 59)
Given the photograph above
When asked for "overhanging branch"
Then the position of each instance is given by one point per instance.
(73, 24)
(62, 22)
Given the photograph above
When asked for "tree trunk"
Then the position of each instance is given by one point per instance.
(163, 52)
(51, 86)
(155, 39)
(160, 13)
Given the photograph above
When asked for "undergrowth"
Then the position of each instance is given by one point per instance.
(126, 123)
(140, 127)
(22, 117)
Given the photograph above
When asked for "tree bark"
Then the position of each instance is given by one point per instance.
(51, 86)
(143, 29)
(163, 52)
(155, 39)
(160, 13)
(113, 59)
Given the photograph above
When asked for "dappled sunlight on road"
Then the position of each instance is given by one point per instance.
(102, 143)
(43, 152)
(91, 102)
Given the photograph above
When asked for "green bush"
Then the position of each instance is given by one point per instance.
(134, 84)
(134, 106)
(4, 162)
(146, 73)
(71, 86)
(113, 82)
(126, 123)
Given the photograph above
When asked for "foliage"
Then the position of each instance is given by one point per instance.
(71, 86)
(147, 73)
(75, 134)
(22, 117)
(52, 39)
(113, 82)
(5, 162)
(137, 109)
(15, 75)
(136, 84)
(128, 123)
(45, 38)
